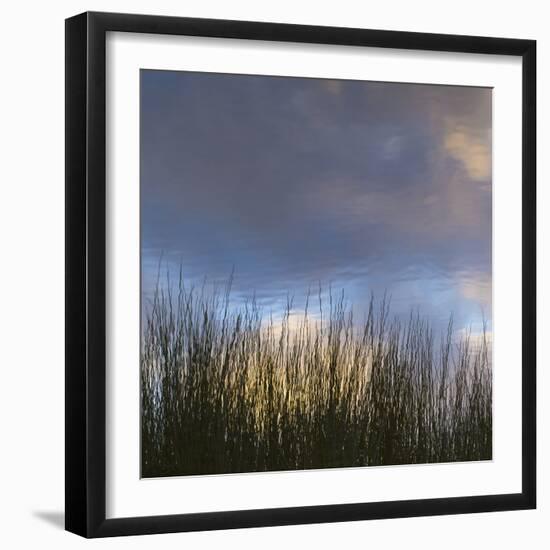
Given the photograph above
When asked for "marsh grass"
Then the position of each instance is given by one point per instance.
(224, 390)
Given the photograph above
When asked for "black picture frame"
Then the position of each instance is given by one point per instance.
(85, 491)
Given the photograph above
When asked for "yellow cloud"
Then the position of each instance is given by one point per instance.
(295, 322)
(472, 149)
(477, 288)
(477, 339)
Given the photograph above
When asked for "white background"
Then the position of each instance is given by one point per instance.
(31, 277)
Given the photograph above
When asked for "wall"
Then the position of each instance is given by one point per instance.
(31, 242)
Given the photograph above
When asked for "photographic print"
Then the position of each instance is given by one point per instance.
(316, 273)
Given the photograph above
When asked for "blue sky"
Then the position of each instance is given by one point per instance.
(296, 182)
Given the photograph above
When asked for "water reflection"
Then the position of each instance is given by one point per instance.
(293, 183)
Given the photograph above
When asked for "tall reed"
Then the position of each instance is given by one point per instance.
(223, 390)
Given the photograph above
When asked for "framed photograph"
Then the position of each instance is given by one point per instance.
(300, 274)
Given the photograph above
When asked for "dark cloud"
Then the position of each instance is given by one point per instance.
(295, 181)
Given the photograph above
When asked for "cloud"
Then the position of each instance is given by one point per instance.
(471, 148)
(477, 287)
(392, 147)
(477, 340)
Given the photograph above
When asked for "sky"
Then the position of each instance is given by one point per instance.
(292, 183)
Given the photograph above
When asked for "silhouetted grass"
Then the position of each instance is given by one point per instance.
(224, 391)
